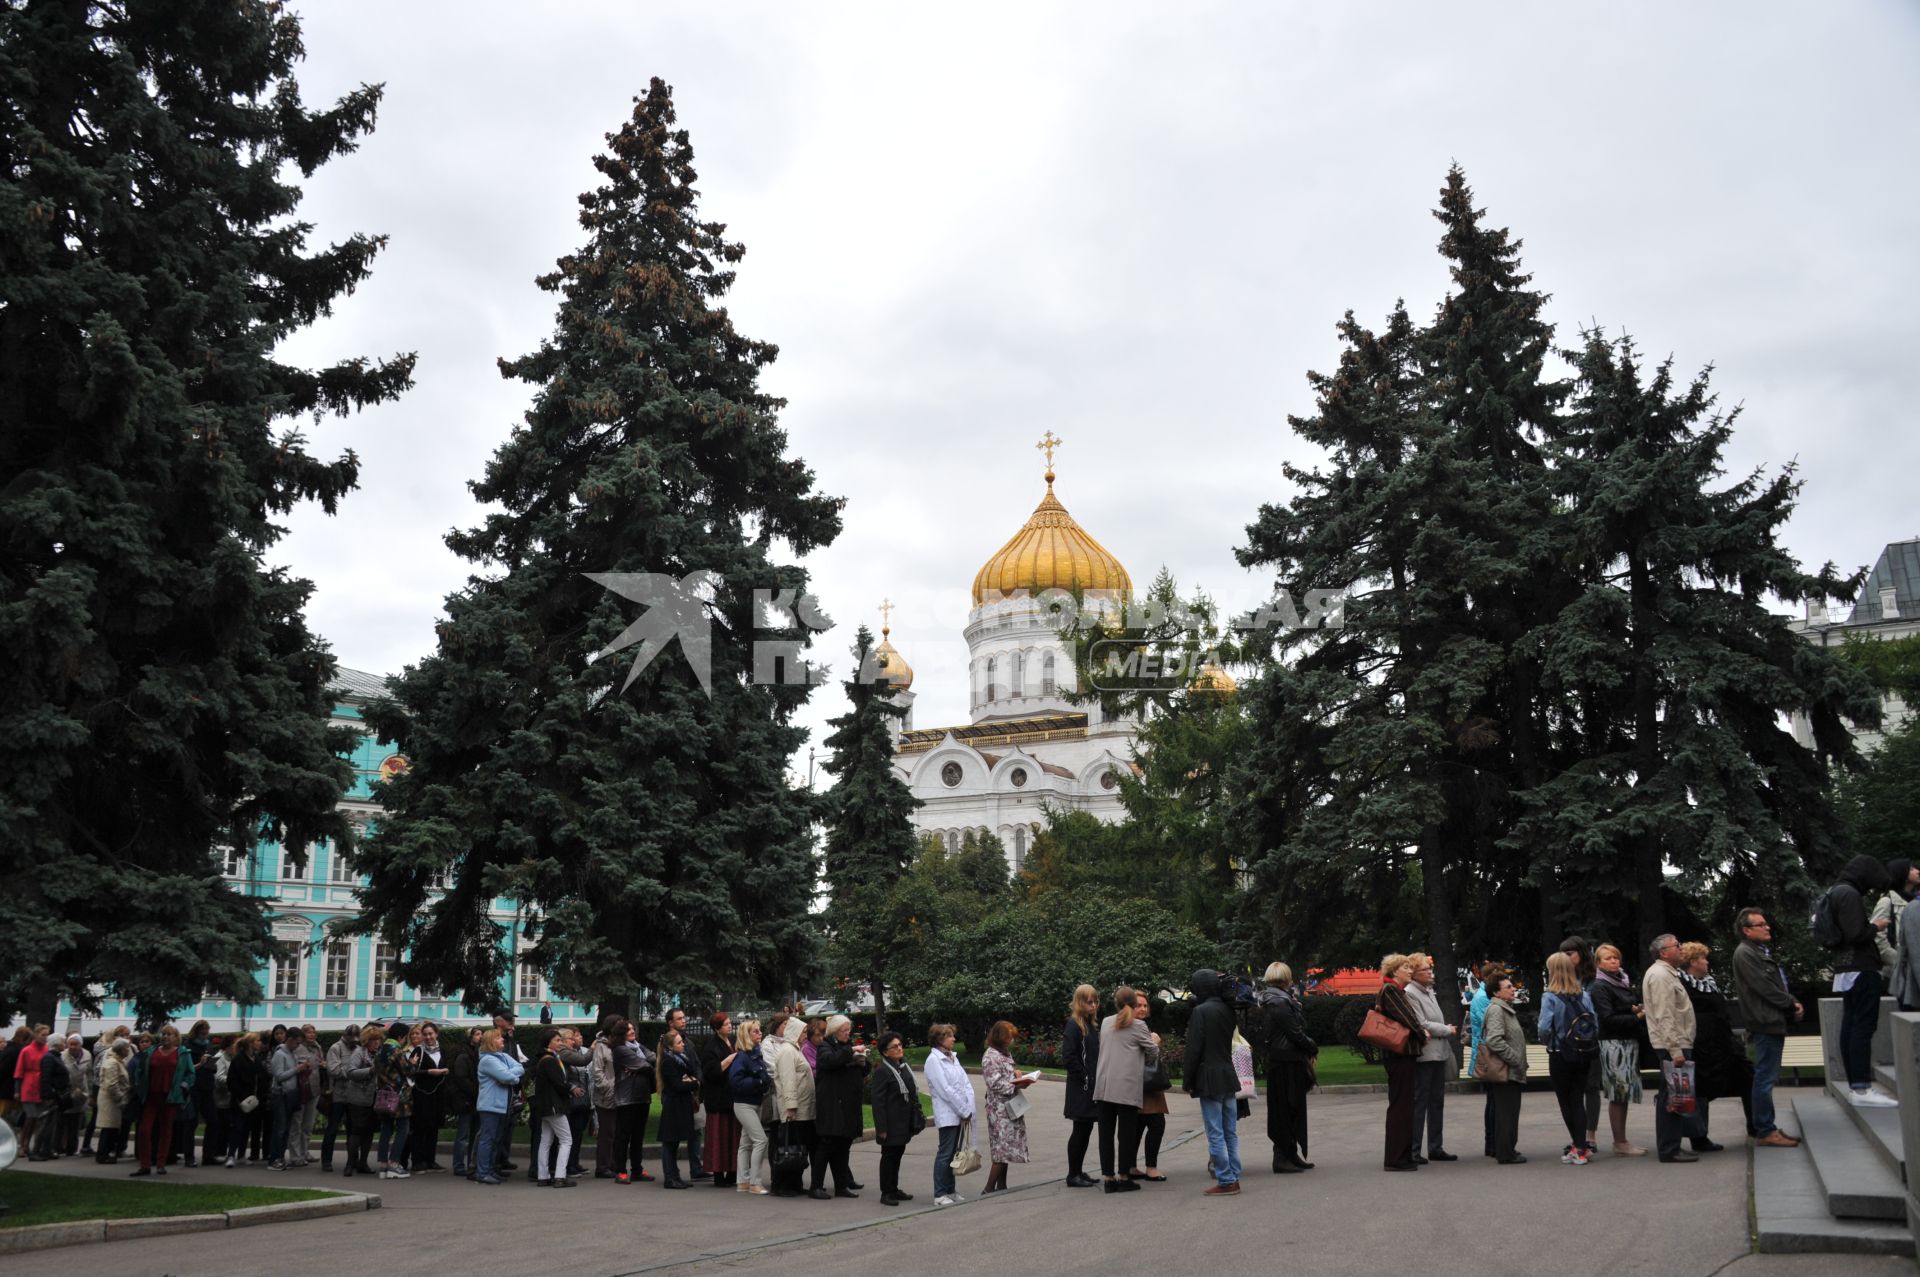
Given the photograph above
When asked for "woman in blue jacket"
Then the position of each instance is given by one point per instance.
(747, 1085)
(1570, 1056)
(499, 1074)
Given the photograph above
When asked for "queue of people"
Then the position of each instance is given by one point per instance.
(775, 1108)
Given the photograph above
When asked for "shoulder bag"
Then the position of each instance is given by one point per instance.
(1489, 1067)
(966, 1158)
(1384, 1033)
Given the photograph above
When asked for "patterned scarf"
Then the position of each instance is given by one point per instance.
(1618, 979)
(1701, 984)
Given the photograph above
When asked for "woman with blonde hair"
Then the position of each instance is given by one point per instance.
(1290, 1056)
(1569, 1029)
(747, 1084)
(1622, 1021)
(1080, 1051)
(163, 1078)
(1392, 1001)
(115, 1087)
(1128, 1051)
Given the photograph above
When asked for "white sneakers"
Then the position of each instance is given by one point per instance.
(1873, 1098)
(949, 1199)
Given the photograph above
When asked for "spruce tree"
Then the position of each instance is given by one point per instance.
(870, 837)
(642, 817)
(1679, 674)
(164, 702)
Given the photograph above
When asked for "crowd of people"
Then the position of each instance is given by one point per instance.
(775, 1107)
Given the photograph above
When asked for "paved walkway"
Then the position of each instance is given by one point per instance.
(1618, 1216)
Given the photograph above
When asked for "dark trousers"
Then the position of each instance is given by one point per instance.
(831, 1152)
(608, 1123)
(336, 1120)
(1077, 1144)
(1153, 1127)
(1668, 1128)
(577, 1122)
(1287, 1110)
(1503, 1109)
(1569, 1077)
(1859, 1017)
(1486, 1115)
(1399, 1147)
(890, 1155)
(1123, 1121)
(629, 1137)
(429, 1111)
(360, 1126)
(186, 1121)
(233, 1133)
(1430, 1104)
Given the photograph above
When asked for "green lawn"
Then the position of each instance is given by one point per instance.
(34, 1198)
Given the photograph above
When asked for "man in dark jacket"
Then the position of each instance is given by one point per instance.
(1767, 1006)
(1212, 1079)
(55, 1083)
(1856, 974)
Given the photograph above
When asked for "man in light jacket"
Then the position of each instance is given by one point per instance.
(1670, 1029)
(1768, 1007)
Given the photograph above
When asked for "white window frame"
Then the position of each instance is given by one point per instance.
(536, 991)
(1047, 683)
(233, 863)
(291, 872)
(286, 970)
(386, 960)
(439, 879)
(333, 949)
(339, 869)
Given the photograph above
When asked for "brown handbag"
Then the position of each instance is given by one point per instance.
(1384, 1032)
(1488, 1067)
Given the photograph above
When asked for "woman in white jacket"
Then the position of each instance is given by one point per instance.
(952, 1092)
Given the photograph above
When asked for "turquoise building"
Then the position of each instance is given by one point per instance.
(318, 980)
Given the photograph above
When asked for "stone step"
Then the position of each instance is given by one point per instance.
(1887, 1077)
(1881, 1126)
(1790, 1212)
(1857, 1183)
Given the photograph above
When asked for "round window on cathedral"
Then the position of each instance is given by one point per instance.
(1018, 776)
(1108, 780)
(950, 775)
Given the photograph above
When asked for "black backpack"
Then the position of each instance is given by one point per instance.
(1580, 1039)
(1824, 926)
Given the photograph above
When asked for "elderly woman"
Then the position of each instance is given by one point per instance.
(952, 1092)
(115, 1086)
(722, 1142)
(1433, 1067)
(1721, 1067)
(840, 1084)
(1506, 1042)
(1393, 1002)
(1290, 1055)
(163, 1078)
(1623, 1037)
(79, 1066)
(678, 1082)
(356, 1089)
(1128, 1051)
(897, 1116)
(1006, 1129)
(332, 1073)
(794, 1100)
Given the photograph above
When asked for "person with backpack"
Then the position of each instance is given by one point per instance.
(747, 1084)
(1571, 1033)
(1432, 1068)
(1902, 879)
(1843, 924)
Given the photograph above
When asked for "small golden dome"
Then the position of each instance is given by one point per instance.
(887, 657)
(1051, 552)
(1213, 679)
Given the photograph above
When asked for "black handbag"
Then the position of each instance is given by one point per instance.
(788, 1163)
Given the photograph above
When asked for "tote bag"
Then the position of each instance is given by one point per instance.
(966, 1158)
(1489, 1067)
(1243, 1066)
(1385, 1033)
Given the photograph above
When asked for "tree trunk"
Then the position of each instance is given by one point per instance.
(879, 1007)
(1649, 865)
(43, 1001)
(1433, 882)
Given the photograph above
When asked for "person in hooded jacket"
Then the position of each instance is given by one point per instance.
(1291, 1052)
(1902, 880)
(1080, 1052)
(1857, 976)
(1212, 1079)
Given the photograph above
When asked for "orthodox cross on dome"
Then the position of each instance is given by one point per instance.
(886, 615)
(1047, 444)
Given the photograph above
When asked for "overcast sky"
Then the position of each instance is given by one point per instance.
(1132, 224)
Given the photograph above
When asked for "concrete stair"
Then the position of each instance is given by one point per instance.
(1850, 1164)
(1791, 1215)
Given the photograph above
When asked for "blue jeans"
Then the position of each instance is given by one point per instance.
(492, 1125)
(1222, 1119)
(394, 1130)
(1766, 1071)
(943, 1161)
(463, 1132)
(277, 1147)
(1859, 1017)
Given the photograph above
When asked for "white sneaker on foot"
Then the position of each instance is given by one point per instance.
(1874, 1098)
(946, 1199)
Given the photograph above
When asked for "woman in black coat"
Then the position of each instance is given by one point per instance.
(839, 1087)
(1290, 1055)
(1080, 1052)
(679, 1079)
(1721, 1068)
(897, 1115)
(245, 1076)
(722, 1143)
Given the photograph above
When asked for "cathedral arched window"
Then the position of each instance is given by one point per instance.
(1046, 674)
(1018, 683)
(991, 690)
(1019, 847)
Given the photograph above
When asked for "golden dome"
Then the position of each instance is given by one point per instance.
(1051, 552)
(887, 658)
(1212, 678)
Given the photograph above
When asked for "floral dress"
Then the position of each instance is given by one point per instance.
(1006, 1134)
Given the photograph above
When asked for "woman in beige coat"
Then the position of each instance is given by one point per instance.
(1504, 1039)
(116, 1084)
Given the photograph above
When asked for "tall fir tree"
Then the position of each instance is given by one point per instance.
(164, 703)
(1679, 675)
(649, 830)
(870, 838)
